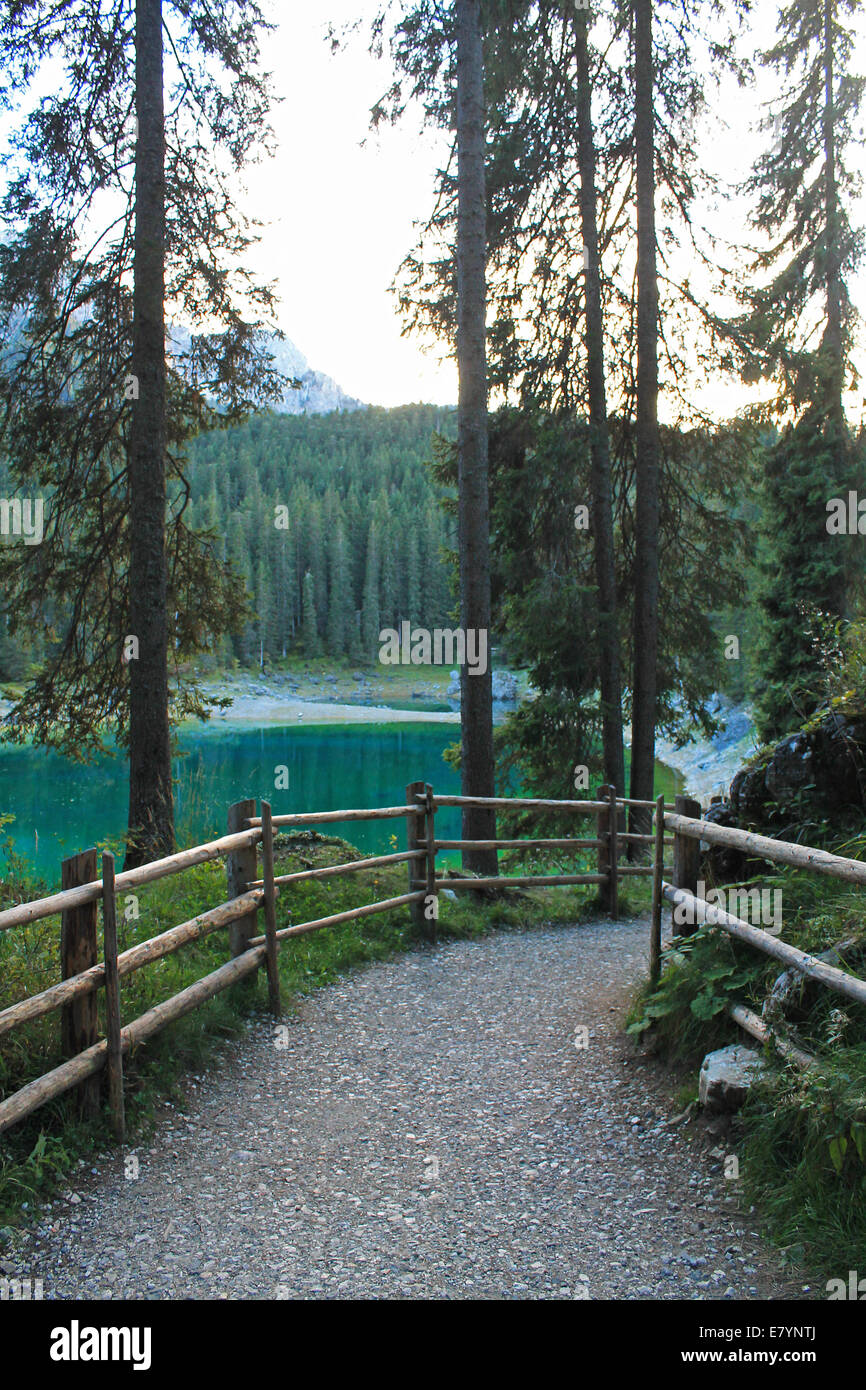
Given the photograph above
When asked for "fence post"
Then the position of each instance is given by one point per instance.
(112, 999)
(687, 855)
(270, 910)
(79, 1021)
(608, 851)
(658, 873)
(430, 837)
(241, 870)
(413, 826)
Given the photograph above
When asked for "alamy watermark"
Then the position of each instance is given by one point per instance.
(854, 1289)
(20, 1290)
(23, 518)
(418, 646)
(758, 906)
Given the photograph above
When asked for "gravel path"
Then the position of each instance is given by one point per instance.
(425, 1128)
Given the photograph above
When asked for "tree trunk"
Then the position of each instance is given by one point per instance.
(151, 813)
(476, 691)
(833, 375)
(602, 495)
(837, 599)
(646, 576)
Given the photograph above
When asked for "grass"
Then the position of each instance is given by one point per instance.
(802, 1134)
(39, 1154)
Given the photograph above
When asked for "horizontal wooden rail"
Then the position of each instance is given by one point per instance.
(137, 956)
(303, 927)
(331, 870)
(539, 881)
(322, 817)
(757, 1028)
(89, 1062)
(518, 801)
(515, 844)
(779, 851)
(631, 801)
(133, 878)
(637, 869)
(711, 914)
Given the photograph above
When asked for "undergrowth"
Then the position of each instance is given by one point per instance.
(803, 1146)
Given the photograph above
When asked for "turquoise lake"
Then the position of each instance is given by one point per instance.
(61, 807)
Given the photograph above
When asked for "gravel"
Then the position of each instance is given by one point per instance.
(429, 1127)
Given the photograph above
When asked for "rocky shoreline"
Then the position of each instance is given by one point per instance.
(708, 766)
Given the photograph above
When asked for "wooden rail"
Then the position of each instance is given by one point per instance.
(689, 830)
(249, 893)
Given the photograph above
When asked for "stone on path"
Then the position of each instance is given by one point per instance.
(726, 1076)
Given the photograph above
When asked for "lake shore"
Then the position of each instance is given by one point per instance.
(709, 765)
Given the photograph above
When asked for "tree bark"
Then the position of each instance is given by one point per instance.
(833, 377)
(151, 813)
(602, 493)
(646, 577)
(476, 707)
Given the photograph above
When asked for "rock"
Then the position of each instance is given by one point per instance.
(726, 1076)
(824, 760)
(722, 863)
(358, 676)
(748, 793)
(504, 686)
(791, 768)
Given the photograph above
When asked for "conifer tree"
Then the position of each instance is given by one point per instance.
(310, 622)
(118, 205)
(796, 331)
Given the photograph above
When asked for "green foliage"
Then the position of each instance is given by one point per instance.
(364, 537)
(544, 585)
(701, 975)
(66, 321)
(803, 1159)
(806, 577)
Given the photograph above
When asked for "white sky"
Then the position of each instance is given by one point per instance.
(342, 215)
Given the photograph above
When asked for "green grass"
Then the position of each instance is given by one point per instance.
(37, 1154)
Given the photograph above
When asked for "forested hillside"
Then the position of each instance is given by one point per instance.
(335, 523)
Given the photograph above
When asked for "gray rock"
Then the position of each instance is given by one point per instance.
(726, 1076)
(504, 686)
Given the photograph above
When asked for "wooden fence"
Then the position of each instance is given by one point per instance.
(83, 974)
(689, 830)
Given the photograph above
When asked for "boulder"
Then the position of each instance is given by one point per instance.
(748, 793)
(826, 760)
(721, 863)
(727, 1075)
(504, 686)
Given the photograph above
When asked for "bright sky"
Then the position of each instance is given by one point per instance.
(341, 204)
(342, 215)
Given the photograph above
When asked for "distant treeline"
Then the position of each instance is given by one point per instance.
(335, 524)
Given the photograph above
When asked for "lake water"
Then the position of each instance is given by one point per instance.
(61, 807)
